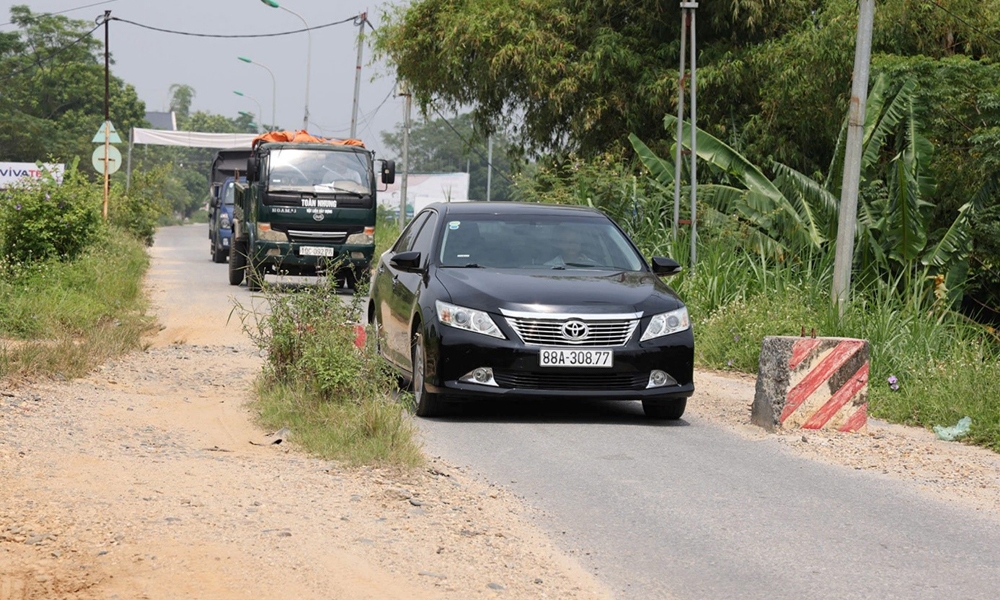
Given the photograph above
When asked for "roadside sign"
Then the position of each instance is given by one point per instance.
(99, 136)
(114, 159)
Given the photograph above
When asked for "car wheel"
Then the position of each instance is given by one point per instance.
(669, 410)
(427, 403)
(237, 262)
(218, 254)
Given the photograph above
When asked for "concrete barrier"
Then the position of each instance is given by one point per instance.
(812, 383)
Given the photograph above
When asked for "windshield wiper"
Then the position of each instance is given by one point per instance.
(563, 266)
(465, 266)
(340, 190)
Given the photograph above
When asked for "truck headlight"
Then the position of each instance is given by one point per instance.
(266, 234)
(362, 239)
(666, 323)
(224, 221)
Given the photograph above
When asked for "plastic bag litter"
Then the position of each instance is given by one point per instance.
(950, 434)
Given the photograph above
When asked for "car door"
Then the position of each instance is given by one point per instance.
(407, 288)
(386, 279)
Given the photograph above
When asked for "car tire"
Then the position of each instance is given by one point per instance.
(427, 404)
(668, 410)
(237, 262)
(218, 254)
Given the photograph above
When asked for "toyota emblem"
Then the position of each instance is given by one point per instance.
(575, 331)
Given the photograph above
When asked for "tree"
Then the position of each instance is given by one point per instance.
(53, 90)
(435, 147)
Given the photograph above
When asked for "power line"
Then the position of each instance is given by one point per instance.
(59, 12)
(478, 153)
(251, 35)
(964, 22)
(371, 116)
(57, 52)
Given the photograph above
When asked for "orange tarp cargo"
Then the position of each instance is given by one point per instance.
(301, 136)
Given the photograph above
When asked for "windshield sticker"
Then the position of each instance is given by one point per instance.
(454, 224)
(320, 203)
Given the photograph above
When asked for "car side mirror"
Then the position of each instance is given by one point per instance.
(406, 261)
(388, 171)
(665, 266)
(252, 169)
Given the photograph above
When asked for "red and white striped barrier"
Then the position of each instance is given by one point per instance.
(812, 383)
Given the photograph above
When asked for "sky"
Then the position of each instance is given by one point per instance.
(153, 61)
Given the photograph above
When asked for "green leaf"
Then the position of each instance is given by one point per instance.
(661, 169)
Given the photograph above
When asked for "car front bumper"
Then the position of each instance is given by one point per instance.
(453, 353)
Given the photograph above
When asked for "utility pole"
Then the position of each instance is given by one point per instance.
(688, 11)
(404, 90)
(107, 112)
(362, 21)
(489, 165)
(848, 213)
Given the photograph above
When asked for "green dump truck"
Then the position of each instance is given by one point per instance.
(308, 207)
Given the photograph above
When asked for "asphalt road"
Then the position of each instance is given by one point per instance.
(691, 510)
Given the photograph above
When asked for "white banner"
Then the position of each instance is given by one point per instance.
(11, 173)
(192, 139)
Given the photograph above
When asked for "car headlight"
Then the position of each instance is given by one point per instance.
(468, 319)
(266, 234)
(224, 221)
(367, 238)
(666, 323)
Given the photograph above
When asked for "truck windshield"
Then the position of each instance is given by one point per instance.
(329, 171)
(228, 193)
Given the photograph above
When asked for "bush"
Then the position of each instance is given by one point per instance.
(42, 220)
(139, 209)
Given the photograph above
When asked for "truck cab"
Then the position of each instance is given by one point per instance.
(308, 207)
(222, 219)
(227, 164)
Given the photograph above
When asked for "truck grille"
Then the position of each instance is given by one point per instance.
(590, 330)
(330, 237)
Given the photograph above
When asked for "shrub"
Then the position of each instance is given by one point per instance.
(42, 220)
(139, 209)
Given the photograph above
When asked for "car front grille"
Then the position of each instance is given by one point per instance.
(571, 381)
(603, 331)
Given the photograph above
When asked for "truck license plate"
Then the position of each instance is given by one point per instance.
(575, 357)
(316, 251)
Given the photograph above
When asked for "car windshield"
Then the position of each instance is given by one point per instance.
(536, 242)
(229, 194)
(330, 171)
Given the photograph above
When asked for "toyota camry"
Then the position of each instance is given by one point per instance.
(480, 300)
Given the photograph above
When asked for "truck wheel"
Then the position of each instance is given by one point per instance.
(237, 262)
(356, 276)
(218, 254)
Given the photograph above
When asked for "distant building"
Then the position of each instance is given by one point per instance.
(425, 188)
(162, 120)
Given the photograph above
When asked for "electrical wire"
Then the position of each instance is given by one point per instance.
(478, 153)
(57, 52)
(59, 12)
(964, 22)
(247, 35)
(367, 119)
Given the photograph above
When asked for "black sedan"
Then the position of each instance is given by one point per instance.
(490, 300)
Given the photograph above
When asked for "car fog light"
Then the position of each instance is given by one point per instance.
(357, 255)
(273, 252)
(482, 376)
(658, 378)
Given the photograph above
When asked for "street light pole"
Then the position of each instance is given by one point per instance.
(273, 4)
(259, 109)
(274, 87)
(363, 20)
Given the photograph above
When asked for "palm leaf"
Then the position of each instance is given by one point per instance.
(954, 244)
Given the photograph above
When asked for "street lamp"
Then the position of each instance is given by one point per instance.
(274, 4)
(259, 109)
(252, 119)
(274, 86)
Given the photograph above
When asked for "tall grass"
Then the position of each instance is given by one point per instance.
(67, 317)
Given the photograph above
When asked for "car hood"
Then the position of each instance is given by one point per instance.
(581, 291)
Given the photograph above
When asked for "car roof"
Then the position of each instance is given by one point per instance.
(513, 208)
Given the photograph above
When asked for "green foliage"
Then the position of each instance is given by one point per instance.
(66, 317)
(43, 219)
(336, 396)
(437, 148)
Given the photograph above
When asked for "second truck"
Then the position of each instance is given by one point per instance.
(308, 207)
